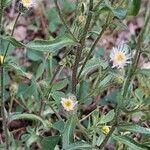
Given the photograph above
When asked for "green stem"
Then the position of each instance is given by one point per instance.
(64, 21)
(12, 33)
(94, 140)
(59, 67)
(129, 77)
(4, 121)
(80, 48)
(91, 50)
(107, 137)
(1, 14)
(134, 65)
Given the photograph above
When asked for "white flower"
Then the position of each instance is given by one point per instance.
(28, 3)
(68, 104)
(120, 56)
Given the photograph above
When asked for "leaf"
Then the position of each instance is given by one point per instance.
(119, 13)
(59, 126)
(67, 136)
(107, 118)
(135, 128)
(133, 7)
(79, 146)
(93, 64)
(18, 69)
(49, 143)
(100, 139)
(18, 116)
(145, 72)
(5, 3)
(56, 95)
(13, 41)
(105, 81)
(83, 91)
(40, 70)
(129, 142)
(51, 46)
(60, 85)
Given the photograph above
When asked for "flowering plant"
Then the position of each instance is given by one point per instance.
(75, 74)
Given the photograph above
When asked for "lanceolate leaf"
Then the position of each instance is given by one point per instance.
(67, 136)
(27, 116)
(107, 118)
(79, 146)
(135, 128)
(51, 45)
(13, 41)
(134, 7)
(129, 142)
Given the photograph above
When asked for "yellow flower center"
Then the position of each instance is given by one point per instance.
(27, 3)
(68, 103)
(120, 57)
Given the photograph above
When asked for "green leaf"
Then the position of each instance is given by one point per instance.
(145, 72)
(56, 95)
(79, 146)
(59, 126)
(35, 55)
(93, 64)
(133, 7)
(129, 142)
(119, 13)
(105, 81)
(18, 116)
(60, 85)
(100, 139)
(51, 46)
(67, 136)
(49, 143)
(18, 69)
(5, 3)
(13, 41)
(40, 70)
(135, 128)
(107, 118)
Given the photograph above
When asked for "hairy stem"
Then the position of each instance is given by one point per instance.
(129, 77)
(80, 48)
(134, 65)
(4, 121)
(12, 34)
(91, 50)
(94, 45)
(63, 20)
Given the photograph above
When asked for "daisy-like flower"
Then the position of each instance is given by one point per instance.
(68, 104)
(28, 3)
(120, 56)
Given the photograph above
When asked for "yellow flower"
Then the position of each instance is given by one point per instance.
(105, 129)
(120, 56)
(68, 104)
(1, 59)
(28, 3)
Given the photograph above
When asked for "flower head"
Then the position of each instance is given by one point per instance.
(1, 59)
(105, 129)
(28, 3)
(120, 56)
(69, 104)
